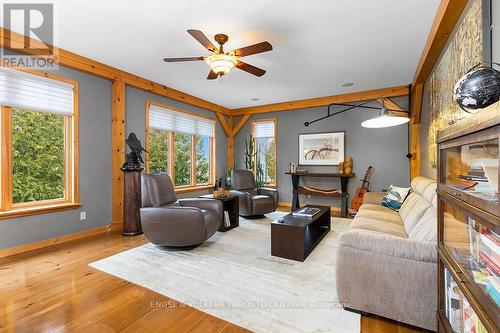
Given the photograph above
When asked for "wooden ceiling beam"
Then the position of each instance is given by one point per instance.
(15, 41)
(322, 101)
(224, 124)
(393, 106)
(241, 123)
(447, 16)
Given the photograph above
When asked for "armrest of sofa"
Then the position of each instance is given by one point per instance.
(207, 204)
(373, 197)
(383, 244)
(245, 202)
(270, 192)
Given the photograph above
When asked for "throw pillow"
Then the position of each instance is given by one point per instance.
(395, 197)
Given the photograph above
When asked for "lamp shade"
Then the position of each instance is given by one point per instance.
(221, 63)
(385, 119)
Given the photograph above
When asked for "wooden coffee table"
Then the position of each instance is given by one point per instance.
(296, 237)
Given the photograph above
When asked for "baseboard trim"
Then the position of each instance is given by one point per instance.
(334, 211)
(53, 241)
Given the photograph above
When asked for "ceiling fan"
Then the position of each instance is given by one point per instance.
(221, 62)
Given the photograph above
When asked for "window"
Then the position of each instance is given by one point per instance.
(180, 144)
(264, 132)
(38, 142)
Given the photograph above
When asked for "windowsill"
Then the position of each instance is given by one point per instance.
(188, 189)
(25, 211)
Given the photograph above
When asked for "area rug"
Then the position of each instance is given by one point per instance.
(234, 277)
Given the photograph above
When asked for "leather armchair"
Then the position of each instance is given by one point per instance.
(169, 221)
(253, 201)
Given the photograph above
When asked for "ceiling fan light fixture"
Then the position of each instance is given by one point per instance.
(385, 119)
(221, 63)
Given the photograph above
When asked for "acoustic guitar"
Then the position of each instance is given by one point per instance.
(361, 191)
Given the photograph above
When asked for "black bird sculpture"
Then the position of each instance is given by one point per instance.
(134, 160)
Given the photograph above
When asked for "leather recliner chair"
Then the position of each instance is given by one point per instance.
(168, 221)
(253, 201)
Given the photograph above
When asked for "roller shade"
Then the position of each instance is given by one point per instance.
(33, 92)
(263, 129)
(179, 122)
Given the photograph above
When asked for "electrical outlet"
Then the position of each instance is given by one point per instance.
(83, 216)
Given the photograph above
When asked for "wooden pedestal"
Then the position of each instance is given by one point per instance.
(132, 203)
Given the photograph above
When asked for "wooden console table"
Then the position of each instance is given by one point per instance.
(342, 194)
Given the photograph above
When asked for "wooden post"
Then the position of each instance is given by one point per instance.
(416, 106)
(118, 151)
(230, 145)
(132, 205)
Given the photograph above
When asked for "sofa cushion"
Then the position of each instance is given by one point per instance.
(420, 184)
(380, 243)
(395, 196)
(426, 227)
(430, 194)
(412, 210)
(380, 225)
(377, 212)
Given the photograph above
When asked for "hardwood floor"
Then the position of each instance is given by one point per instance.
(54, 290)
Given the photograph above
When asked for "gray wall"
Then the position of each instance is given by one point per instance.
(135, 121)
(385, 149)
(94, 166)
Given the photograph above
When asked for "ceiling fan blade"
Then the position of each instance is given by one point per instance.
(182, 59)
(212, 75)
(252, 49)
(250, 69)
(202, 39)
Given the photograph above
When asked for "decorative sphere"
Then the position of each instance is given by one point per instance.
(477, 89)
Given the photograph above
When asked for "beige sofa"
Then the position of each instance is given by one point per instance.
(387, 260)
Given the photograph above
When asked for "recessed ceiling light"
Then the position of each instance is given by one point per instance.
(347, 84)
(255, 99)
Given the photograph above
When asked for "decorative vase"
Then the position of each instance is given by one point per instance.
(348, 165)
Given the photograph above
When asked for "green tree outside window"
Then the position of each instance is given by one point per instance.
(182, 159)
(37, 156)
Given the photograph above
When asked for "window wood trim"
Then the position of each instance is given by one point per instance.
(252, 125)
(193, 186)
(71, 160)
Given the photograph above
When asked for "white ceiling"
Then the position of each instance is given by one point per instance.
(318, 45)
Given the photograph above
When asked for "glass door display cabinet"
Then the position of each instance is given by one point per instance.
(469, 225)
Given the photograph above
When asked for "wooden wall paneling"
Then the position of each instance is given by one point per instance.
(322, 101)
(118, 151)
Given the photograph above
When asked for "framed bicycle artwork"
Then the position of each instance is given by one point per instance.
(321, 148)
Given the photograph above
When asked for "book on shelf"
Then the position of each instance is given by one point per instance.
(307, 212)
(493, 289)
(474, 237)
(227, 220)
(489, 264)
(471, 323)
(453, 303)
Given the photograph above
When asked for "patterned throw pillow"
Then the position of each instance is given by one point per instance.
(395, 197)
